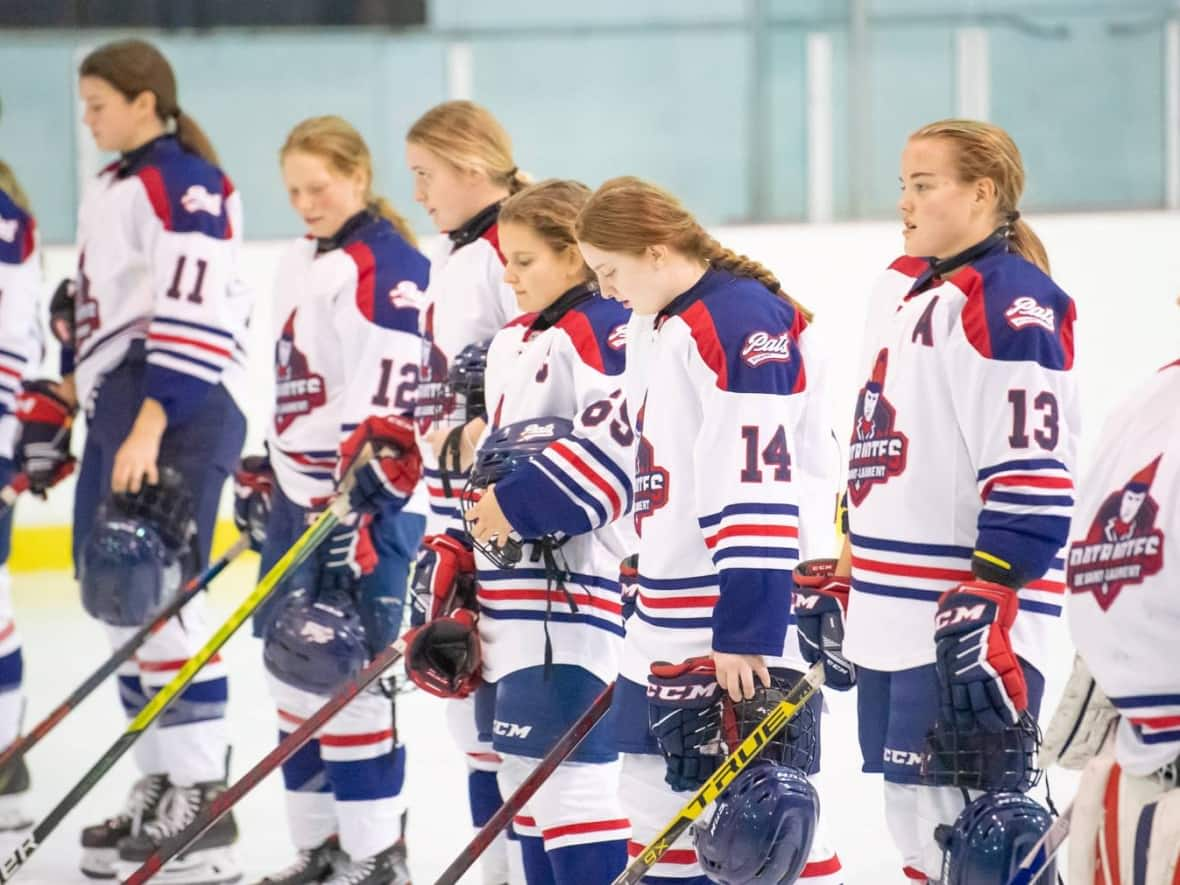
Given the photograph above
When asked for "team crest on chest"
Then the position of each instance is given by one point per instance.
(1123, 545)
(298, 390)
(877, 451)
(651, 480)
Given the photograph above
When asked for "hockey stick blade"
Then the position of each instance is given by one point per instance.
(311, 538)
(1033, 867)
(514, 803)
(18, 748)
(776, 720)
(286, 748)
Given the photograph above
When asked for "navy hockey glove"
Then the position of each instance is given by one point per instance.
(393, 471)
(821, 604)
(443, 657)
(980, 679)
(61, 321)
(444, 579)
(684, 715)
(254, 483)
(43, 449)
(629, 584)
(344, 556)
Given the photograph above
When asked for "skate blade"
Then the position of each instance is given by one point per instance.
(212, 866)
(99, 863)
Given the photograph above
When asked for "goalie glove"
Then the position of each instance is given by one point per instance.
(1081, 723)
(821, 604)
(443, 657)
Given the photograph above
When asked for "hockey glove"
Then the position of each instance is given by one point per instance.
(444, 579)
(821, 603)
(980, 679)
(443, 657)
(43, 449)
(390, 476)
(345, 555)
(254, 482)
(684, 715)
(629, 584)
(61, 321)
(1080, 725)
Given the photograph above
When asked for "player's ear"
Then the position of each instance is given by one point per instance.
(658, 255)
(145, 103)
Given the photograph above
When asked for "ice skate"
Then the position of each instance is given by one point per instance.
(100, 842)
(311, 865)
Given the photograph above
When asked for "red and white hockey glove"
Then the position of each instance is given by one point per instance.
(821, 604)
(392, 472)
(43, 449)
(444, 579)
(254, 483)
(443, 657)
(980, 679)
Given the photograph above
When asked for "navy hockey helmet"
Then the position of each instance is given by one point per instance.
(761, 829)
(503, 451)
(315, 644)
(1002, 761)
(456, 397)
(139, 552)
(990, 838)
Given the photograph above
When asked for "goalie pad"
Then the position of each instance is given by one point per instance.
(443, 656)
(1081, 723)
(1124, 827)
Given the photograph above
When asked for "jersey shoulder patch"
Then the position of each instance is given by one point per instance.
(597, 328)
(391, 276)
(17, 232)
(188, 194)
(748, 337)
(1015, 312)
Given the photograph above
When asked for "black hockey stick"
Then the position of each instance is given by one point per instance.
(286, 748)
(23, 744)
(514, 803)
(776, 720)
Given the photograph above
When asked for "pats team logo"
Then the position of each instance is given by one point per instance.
(651, 480)
(1123, 545)
(762, 347)
(1025, 312)
(298, 390)
(617, 339)
(406, 294)
(877, 451)
(9, 228)
(198, 199)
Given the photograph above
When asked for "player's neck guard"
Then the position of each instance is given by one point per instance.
(940, 267)
(346, 231)
(565, 302)
(476, 226)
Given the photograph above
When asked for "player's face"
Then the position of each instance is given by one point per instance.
(537, 273)
(451, 196)
(870, 405)
(629, 278)
(1130, 504)
(284, 352)
(321, 196)
(941, 216)
(116, 123)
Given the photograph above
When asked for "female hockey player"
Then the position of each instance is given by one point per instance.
(153, 349)
(461, 161)
(551, 627)
(734, 475)
(20, 354)
(345, 326)
(1122, 570)
(959, 488)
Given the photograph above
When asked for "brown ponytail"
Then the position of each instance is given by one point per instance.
(337, 142)
(984, 150)
(136, 66)
(628, 214)
(11, 186)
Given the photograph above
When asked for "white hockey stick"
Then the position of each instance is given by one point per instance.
(1037, 861)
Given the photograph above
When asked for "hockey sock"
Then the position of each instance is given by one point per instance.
(484, 795)
(537, 869)
(592, 862)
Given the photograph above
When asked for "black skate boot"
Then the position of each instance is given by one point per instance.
(208, 861)
(100, 843)
(14, 783)
(312, 865)
(387, 867)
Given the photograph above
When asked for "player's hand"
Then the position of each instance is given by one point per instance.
(136, 459)
(486, 522)
(736, 674)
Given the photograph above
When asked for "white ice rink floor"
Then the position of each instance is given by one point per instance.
(62, 646)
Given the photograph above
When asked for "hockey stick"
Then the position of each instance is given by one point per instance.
(18, 748)
(311, 538)
(286, 748)
(782, 713)
(1037, 860)
(503, 816)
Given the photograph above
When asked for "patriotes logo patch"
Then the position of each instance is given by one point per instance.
(298, 390)
(1123, 545)
(651, 480)
(877, 451)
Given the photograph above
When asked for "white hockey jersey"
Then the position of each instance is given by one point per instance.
(159, 239)
(1123, 571)
(467, 302)
(564, 362)
(20, 328)
(735, 475)
(345, 326)
(963, 444)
